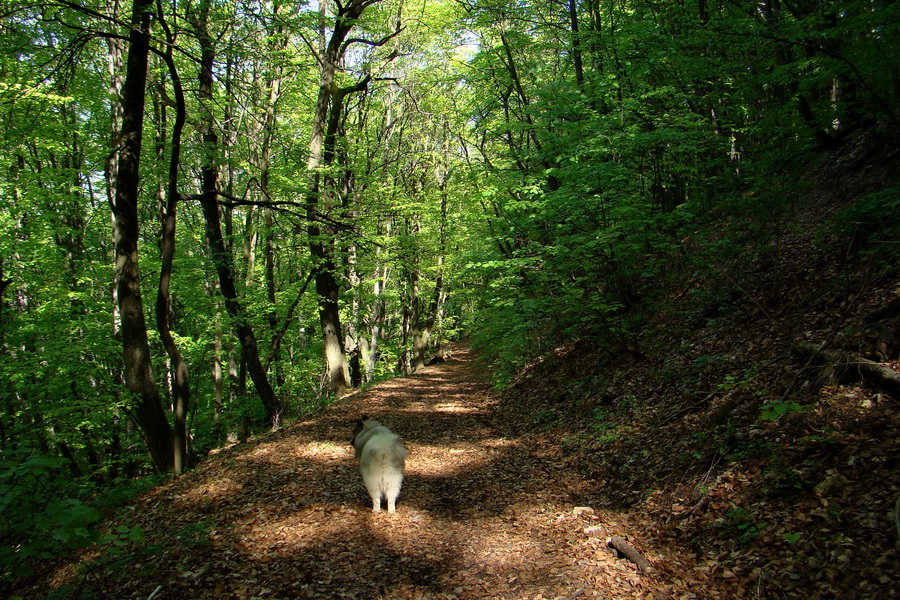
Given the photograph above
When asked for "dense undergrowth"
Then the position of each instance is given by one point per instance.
(708, 420)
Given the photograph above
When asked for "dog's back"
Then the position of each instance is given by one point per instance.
(381, 462)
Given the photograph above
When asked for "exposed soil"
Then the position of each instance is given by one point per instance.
(483, 513)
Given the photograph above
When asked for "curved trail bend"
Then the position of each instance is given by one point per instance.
(482, 514)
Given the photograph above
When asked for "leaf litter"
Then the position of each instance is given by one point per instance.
(484, 513)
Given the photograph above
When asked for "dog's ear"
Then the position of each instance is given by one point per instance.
(358, 426)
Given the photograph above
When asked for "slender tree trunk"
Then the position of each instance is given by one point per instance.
(147, 411)
(222, 261)
(323, 264)
(382, 271)
(552, 182)
(418, 318)
(437, 299)
(576, 43)
(4, 283)
(269, 124)
(115, 66)
(209, 201)
(217, 370)
(181, 389)
(377, 323)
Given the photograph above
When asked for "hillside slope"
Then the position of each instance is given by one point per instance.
(719, 427)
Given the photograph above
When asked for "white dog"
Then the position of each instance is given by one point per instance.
(381, 461)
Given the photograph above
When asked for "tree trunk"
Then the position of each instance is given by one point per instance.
(111, 166)
(323, 264)
(425, 319)
(209, 201)
(222, 261)
(382, 271)
(576, 43)
(377, 323)
(147, 411)
(217, 369)
(418, 318)
(181, 389)
(268, 125)
(844, 362)
(437, 300)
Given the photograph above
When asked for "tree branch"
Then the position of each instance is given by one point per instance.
(375, 44)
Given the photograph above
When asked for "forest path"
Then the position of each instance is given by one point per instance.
(481, 514)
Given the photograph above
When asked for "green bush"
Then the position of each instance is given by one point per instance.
(874, 216)
(40, 515)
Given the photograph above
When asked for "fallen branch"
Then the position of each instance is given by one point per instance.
(885, 376)
(630, 553)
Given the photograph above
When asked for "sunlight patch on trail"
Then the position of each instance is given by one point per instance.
(444, 407)
(432, 461)
(213, 491)
(316, 451)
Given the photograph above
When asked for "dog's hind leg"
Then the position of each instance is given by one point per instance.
(374, 489)
(390, 493)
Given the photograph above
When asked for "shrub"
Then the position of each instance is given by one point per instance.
(40, 515)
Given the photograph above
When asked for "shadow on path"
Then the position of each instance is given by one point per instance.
(481, 515)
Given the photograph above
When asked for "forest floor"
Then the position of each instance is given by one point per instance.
(483, 513)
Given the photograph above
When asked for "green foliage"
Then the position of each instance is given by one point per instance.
(122, 491)
(741, 522)
(194, 534)
(792, 538)
(39, 516)
(772, 411)
(873, 217)
(705, 361)
(592, 187)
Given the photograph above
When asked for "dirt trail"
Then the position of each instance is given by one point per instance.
(481, 515)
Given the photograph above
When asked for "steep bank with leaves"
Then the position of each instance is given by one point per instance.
(610, 136)
(713, 424)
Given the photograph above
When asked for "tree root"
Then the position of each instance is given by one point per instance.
(883, 375)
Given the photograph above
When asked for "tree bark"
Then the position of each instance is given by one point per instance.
(181, 389)
(323, 264)
(147, 410)
(380, 282)
(274, 82)
(885, 376)
(209, 201)
(630, 553)
(419, 328)
(426, 319)
(576, 44)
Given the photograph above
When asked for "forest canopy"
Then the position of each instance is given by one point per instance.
(216, 214)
